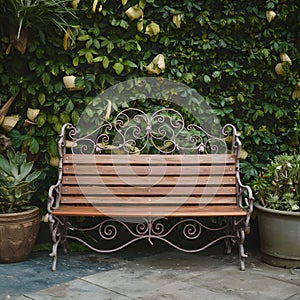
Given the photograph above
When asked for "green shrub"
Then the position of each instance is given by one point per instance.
(226, 50)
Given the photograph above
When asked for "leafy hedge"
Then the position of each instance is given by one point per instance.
(226, 50)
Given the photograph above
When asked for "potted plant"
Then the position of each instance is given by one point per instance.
(19, 220)
(278, 210)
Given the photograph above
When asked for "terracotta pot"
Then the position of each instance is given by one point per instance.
(279, 236)
(18, 233)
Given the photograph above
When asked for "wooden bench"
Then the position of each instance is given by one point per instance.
(137, 192)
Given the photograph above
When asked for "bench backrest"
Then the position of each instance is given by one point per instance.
(188, 166)
(149, 180)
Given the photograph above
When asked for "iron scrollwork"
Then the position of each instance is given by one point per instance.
(149, 229)
(132, 131)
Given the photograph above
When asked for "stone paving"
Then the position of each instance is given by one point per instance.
(148, 273)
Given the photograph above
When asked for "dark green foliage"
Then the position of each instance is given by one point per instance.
(225, 50)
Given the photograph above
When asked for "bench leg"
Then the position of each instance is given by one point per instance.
(58, 229)
(228, 246)
(56, 237)
(242, 255)
(53, 254)
(229, 231)
(64, 231)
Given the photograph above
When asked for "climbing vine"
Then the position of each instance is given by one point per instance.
(241, 57)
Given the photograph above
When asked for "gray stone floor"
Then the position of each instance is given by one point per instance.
(145, 272)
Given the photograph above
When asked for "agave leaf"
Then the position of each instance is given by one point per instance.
(33, 176)
(10, 154)
(15, 171)
(5, 165)
(25, 169)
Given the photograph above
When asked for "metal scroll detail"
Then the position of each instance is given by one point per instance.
(152, 229)
(133, 131)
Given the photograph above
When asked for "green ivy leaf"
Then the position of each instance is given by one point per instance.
(118, 67)
(75, 117)
(52, 147)
(279, 114)
(34, 146)
(58, 87)
(70, 106)
(124, 24)
(110, 47)
(46, 79)
(207, 79)
(89, 57)
(84, 38)
(42, 98)
(55, 70)
(31, 89)
(17, 138)
(76, 61)
(105, 62)
(130, 63)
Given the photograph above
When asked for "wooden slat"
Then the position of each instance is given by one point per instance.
(146, 171)
(149, 186)
(150, 211)
(148, 181)
(148, 191)
(175, 200)
(149, 159)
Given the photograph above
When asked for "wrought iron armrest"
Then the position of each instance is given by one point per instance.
(245, 197)
(54, 194)
(245, 201)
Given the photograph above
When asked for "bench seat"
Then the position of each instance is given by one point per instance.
(150, 211)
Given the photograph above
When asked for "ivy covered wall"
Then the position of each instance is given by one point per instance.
(241, 56)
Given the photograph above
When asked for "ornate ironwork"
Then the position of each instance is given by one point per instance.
(165, 132)
(134, 131)
(150, 229)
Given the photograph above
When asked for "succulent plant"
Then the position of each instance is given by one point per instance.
(17, 182)
(279, 186)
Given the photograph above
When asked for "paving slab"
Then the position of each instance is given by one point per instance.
(148, 273)
(173, 275)
(77, 290)
(35, 274)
